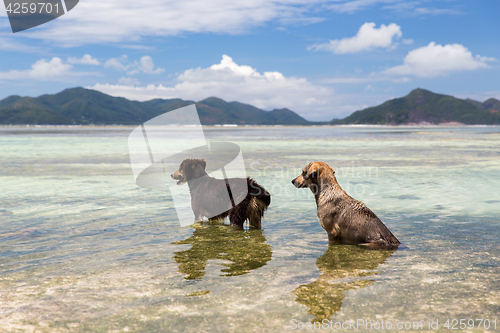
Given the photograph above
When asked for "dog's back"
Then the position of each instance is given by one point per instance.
(360, 225)
(248, 203)
(209, 196)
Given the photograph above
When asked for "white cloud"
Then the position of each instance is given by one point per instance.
(53, 68)
(367, 38)
(413, 8)
(85, 60)
(145, 65)
(99, 22)
(434, 60)
(368, 88)
(351, 7)
(233, 82)
(137, 47)
(13, 75)
(113, 21)
(129, 81)
(374, 77)
(118, 63)
(43, 70)
(7, 44)
(436, 11)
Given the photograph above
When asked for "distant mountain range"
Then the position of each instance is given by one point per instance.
(79, 106)
(84, 106)
(424, 107)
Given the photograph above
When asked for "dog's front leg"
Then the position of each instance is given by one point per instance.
(334, 234)
(198, 216)
(236, 220)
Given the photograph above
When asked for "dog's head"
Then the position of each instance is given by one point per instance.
(190, 168)
(312, 173)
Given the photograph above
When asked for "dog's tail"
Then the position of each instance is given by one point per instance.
(258, 192)
(260, 199)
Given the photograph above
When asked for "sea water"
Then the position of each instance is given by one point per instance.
(83, 248)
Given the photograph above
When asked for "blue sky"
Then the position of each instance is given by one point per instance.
(323, 59)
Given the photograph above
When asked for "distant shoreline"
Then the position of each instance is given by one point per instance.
(230, 126)
(79, 106)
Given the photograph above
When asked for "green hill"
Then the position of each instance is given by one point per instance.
(27, 110)
(216, 111)
(422, 106)
(491, 105)
(84, 106)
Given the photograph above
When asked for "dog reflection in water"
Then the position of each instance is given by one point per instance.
(241, 251)
(342, 267)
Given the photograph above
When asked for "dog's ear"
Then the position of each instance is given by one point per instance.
(203, 163)
(183, 165)
(310, 174)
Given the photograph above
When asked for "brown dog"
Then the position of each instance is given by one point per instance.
(344, 218)
(239, 199)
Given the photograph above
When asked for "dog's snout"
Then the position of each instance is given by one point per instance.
(296, 182)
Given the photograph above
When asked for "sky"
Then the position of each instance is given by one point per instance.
(323, 59)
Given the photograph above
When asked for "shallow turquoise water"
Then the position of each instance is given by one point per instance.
(84, 249)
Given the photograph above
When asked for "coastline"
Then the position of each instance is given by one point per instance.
(232, 126)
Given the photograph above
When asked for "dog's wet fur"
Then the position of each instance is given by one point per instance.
(345, 219)
(208, 192)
